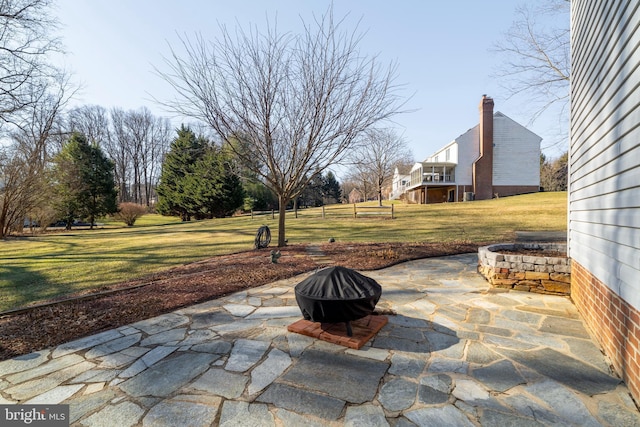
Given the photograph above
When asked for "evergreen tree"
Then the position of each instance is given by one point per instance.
(177, 184)
(313, 193)
(219, 192)
(84, 181)
(198, 180)
(257, 195)
(332, 190)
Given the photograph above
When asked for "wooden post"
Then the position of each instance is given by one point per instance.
(273, 214)
(354, 211)
(392, 211)
(323, 212)
(251, 213)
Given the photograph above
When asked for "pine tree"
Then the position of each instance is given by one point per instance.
(219, 189)
(84, 181)
(198, 180)
(257, 195)
(176, 187)
(313, 194)
(332, 190)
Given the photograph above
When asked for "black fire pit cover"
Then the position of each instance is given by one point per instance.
(337, 294)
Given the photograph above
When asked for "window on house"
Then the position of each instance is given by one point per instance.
(436, 159)
(447, 154)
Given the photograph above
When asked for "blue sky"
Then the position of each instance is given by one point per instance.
(442, 49)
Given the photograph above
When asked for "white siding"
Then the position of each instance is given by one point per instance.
(415, 175)
(604, 162)
(441, 154)
(468, 152)
(516, 153)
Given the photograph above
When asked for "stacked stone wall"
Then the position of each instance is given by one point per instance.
(522, 272)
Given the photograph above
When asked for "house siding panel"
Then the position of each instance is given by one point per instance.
(604, 139)
(624, 181)
(604, 166)
(618, 200)
(468, 152)
(516, 158)
(452, 147)
(601, 243)
(627, 217)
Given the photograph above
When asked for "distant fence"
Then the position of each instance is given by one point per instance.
(333, 211)
(373, 210)
(271, 213)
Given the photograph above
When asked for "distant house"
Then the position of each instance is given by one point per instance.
(604, 174)
(355, 196)
(400, 182)
(497, 157)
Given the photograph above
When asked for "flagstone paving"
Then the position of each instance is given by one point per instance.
(454, 353)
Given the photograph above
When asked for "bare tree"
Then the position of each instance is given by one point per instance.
(537, 57)
(25, 42)
(554, 174)
(135, 140)
(375, 159)
(359, 179)
(138, 129)
(300, 101)
(117, 149)
(24, 185)
(93, 122)
(155, 148)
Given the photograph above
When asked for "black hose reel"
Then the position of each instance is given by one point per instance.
(263, 237)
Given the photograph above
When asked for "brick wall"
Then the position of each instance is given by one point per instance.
(512, 190)
(613, 322)
(483, 166)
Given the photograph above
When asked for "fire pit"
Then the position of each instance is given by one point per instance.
(337, 294)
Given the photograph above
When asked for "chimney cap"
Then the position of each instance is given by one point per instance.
(486, 103)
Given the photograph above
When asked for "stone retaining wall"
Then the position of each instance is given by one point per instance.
(541, 274)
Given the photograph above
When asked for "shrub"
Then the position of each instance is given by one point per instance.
(130, 212)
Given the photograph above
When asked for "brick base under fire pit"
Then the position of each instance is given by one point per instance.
(363, 330)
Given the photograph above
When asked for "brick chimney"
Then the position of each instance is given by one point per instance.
(483, 166)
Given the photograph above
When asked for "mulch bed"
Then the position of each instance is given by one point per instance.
(51, 325)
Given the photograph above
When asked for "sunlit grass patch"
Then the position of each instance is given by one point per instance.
(50, 265)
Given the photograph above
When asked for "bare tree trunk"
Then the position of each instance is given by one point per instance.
(282, 210)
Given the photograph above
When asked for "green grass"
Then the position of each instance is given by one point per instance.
(50, 265)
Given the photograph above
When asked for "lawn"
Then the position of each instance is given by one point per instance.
(50, 265)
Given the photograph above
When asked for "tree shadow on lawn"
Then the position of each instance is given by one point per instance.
(24, 286)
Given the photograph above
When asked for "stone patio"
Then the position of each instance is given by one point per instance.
(456, 353)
